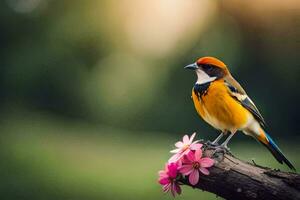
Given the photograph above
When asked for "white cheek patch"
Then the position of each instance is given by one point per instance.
(203, 77)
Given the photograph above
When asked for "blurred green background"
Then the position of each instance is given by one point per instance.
(93, 94)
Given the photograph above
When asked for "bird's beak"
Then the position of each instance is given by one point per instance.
(192, 66)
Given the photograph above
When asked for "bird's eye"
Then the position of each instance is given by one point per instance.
(207, 67)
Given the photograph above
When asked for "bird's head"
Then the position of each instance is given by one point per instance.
(208, 69)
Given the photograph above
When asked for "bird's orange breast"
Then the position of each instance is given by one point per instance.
(219, 109)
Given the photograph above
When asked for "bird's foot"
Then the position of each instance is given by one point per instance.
(221, 149)
(217, 148)
(224, 146)
(212, 144)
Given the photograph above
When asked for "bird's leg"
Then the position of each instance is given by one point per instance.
(224, 144)
(223, 147)
(218, 138)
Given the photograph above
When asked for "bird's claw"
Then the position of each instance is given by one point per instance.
(217, 148)
(225, 147)
(220, 149)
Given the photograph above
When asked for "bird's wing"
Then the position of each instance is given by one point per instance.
(236, 91)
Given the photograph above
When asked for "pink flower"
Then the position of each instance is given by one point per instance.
(167, 178)
(193, 163)
(184, 147)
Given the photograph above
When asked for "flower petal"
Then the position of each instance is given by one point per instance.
(206, 162)
(162, 173)
(175, 151)
(204, 171)
(174, 158)
(177, 188)
(164, 181)
(190, 156)
(178, 144)
(195, 146)
(185, 160)
(186, 169)
(198, 154)
(172, 167)
(167, 187)
(185, 139)
(179, 164)
(173, 191)
(194, 177)
(166, 167)
(192, 137)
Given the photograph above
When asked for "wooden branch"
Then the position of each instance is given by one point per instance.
(232, 178)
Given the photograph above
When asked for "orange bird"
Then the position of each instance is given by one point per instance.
(221, 101)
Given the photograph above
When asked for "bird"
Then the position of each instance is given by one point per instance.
(222, 102)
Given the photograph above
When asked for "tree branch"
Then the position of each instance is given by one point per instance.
(232, 178)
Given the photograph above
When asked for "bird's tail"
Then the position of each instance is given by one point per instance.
(268, 142)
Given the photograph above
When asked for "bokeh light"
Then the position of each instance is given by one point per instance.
(93, 93)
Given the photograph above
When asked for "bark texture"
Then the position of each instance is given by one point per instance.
(232, 178)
